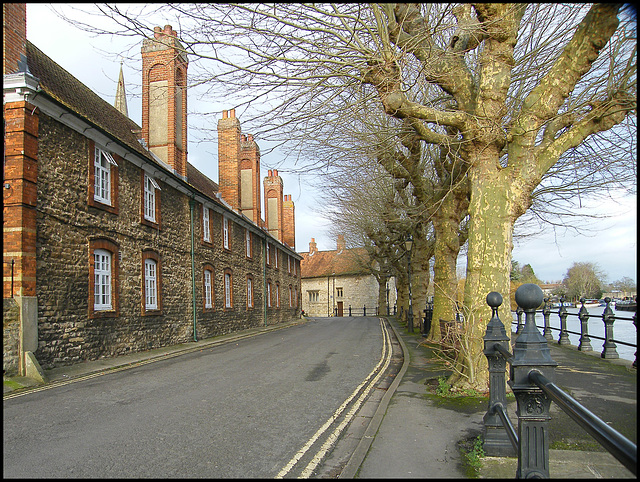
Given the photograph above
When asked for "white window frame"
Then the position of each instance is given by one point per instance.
(225, 232)
(288, 263)
(247, 240)
(102, 280)
(102, 162)
(268, 253)
(277, 295)
(268, 294)
(150, 284)
(275, 253)
(290, 297)
(249, 293)
(227, 290)
(313, 296)
(205, 224)
(150, 187)
(208, 303)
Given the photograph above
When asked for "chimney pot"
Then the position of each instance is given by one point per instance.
(168, 30)
(269, 173)
(224, 114)
(157, 32)
(275, 172)
(232, 113)
(250, 137)
(243, 137)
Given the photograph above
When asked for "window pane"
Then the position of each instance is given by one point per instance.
(102, 280)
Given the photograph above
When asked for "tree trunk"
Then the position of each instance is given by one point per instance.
(488, 267)
(382, 295)
(446, 223)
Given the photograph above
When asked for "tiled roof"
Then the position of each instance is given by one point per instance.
(77, 97)
(326, 263)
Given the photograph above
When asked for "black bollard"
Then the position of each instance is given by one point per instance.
(496, 439)
(531, 352)
(585, 341)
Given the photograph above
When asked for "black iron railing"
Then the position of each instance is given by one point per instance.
(532, 376)
(609, 347)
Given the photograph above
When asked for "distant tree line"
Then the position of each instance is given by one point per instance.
(584, 279)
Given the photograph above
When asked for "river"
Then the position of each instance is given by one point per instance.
(623, 329)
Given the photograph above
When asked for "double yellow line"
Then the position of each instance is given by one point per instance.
(363, 389)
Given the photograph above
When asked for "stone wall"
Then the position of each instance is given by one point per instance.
(10, 336)
(357, 291)
(67, 224)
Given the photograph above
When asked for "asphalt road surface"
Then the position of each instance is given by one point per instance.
(268, 406)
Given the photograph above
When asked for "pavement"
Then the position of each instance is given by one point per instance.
(415, 433)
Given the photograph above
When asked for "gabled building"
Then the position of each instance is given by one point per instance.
(113, 242)
(338, 280)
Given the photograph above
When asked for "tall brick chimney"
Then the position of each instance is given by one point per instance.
(250, 179)
(20, 175)
(340, 244)
(313, 247)
(14, 37)
(273, 204)
(289, 222)
(164, 98)
(229, 184)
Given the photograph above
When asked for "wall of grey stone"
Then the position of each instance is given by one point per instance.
(65, 226)
(358, 291)
(10, 336)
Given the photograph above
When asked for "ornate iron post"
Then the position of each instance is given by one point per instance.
(585, 341)
(496, 440)
(531, 352)
(563, 313)
(546, 311)
(609, 347)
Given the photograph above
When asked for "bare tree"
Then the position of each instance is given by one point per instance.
(526, 96)
(584, 280)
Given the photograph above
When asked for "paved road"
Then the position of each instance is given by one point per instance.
(258, 407)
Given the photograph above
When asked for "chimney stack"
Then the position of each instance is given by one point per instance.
(14, 37)
(313, 247)
(289, 222)
(228, 158)
(164, 98)
(340, 243)
(250, 192)
(273, 204)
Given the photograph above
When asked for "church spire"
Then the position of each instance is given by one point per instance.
(121, 97)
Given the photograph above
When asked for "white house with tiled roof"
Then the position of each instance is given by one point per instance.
(337, 280)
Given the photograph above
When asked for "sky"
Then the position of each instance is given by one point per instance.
(611, 243)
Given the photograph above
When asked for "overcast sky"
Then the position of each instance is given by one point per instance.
(95, 61)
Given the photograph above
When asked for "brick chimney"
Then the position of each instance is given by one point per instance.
(21, 133)
(289, 222)
(273, 204)
(313, 247)
(228, 155)
(14, 37)
(164, 98)
(340, 244)
(250, 192)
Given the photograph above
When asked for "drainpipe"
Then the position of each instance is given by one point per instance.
(264, 279)
(192, 206)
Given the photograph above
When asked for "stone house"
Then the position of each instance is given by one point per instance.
(335, 281)
(113, 242)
